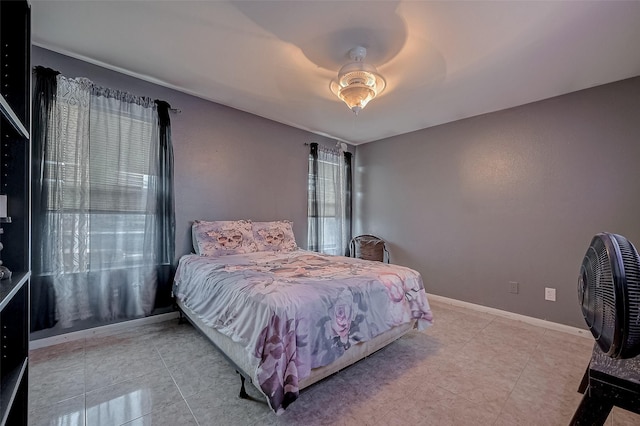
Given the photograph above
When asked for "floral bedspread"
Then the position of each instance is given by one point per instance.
(298, 310)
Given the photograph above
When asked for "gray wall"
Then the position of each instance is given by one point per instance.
(514, 195)
(228, 164)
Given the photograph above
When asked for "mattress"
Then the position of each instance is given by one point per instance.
(240, 357)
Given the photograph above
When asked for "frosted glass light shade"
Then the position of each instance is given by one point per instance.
(358, 83)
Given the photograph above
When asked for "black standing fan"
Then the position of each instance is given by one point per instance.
(609, 291)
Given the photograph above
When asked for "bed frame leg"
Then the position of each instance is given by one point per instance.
(243, 393)
(181, 319)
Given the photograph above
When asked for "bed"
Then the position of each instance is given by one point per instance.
(286, 317)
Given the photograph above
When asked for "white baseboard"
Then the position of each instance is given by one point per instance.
(517, 317)
(118, 327)
(103, 330)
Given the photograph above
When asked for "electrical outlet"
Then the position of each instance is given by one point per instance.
(550, 294)
(513, 287)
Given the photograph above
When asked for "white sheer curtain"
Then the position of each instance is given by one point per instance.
(327, 225)
(100, 215)
(67, 221)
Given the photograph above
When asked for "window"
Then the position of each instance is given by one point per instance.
(102, 183)
(103, 218)
(328, 201)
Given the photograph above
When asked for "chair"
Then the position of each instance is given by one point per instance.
(368, 247)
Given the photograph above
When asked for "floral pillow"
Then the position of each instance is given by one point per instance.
(222, 237)
(274, 236)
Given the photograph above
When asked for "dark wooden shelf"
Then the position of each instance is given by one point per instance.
(15, 149)
(12, 118)
(9, 389)
(8, 288)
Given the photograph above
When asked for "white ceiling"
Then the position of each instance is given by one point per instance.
(443, 61)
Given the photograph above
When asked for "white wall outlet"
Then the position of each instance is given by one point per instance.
(550, 294)
(513, 287)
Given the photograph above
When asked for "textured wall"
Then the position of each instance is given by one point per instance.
(228, 164)
(514, 195)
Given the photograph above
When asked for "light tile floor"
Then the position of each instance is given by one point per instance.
(469, 368)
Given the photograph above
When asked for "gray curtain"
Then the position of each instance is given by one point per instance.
(42, 295)
(348, 203)
(313, 216)
(103, 207)
(165, 207)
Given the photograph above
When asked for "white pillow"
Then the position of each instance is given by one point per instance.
(221, 238)
(274, 236)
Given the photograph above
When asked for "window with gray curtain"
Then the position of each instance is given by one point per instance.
(102, 208)
(329, 200)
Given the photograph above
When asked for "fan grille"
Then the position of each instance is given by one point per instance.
(609, 291)
(631, 264)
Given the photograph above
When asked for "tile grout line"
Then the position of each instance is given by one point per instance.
(84, 356)
(492, 320)
(504, 404)
(123, 380)
(176, 384)
(515, 384)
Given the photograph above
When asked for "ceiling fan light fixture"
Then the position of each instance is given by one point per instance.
(358, 82)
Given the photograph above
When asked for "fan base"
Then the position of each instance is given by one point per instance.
(608, 382)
